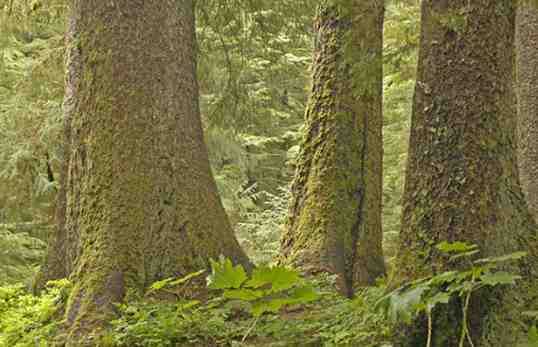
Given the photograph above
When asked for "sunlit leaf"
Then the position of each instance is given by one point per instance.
(278, 278)
(225, 275)
(455, 247)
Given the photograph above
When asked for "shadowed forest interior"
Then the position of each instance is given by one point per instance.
(269, 173)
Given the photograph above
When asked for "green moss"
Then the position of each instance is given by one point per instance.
(334, 223)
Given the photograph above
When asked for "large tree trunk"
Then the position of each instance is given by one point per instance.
(334, 221)
(527, 86)
(141, 203)
(462, 181)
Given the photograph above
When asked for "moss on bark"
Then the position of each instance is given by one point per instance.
(462, 181)
(141, 203)
(527, 86)
(334, 221)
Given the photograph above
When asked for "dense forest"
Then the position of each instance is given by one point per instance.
(269, 173)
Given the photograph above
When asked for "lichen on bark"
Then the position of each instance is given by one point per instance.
(334, 221)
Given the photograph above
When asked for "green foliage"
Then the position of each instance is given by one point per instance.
(400, 46)
(253, 69)
(532, 337)
(31, 91)
(171, 282)
(20, 252)
(425, 294)
(160, 325)
(330, 321)
(28, 320)
(259, 229)
(225, 275)
(267, 290)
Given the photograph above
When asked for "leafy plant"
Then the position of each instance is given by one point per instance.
(425, 294)
(532, 336)
(28, 320)
(267, 290)
(168, 283)
(186, 322)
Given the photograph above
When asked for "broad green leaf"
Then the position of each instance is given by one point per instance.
(304, 294)
(501, 277)
(168, 282)
(464, 255)
(443, 278)
(186, 278)
(439, 298)
(245, 294)
(456, 287)
(160, 284)
(455, 247)
(503, 258)
(224, 275)
(404, 304)
(279, 278)
(272, 305)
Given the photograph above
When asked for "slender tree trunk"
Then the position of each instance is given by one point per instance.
(141, 203)
(527, 84)
(462, 181)
(334, 221)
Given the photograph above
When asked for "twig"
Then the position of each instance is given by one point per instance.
(429, 328)
(464, 328)
(250, 329)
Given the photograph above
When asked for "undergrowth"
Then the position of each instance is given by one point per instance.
(271, 306)
(329, 321)
(29, 320)
(324, 320)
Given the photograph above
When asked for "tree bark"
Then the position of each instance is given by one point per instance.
(334, 221)
(527, 78)
(462, 181)
(141, 203)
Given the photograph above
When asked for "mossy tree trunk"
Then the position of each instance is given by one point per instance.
(334, 221)
(527, 82)
(141, 203)
(462, 180)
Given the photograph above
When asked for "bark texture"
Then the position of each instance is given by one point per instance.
(462, 180)
(334, 221)
(140, 201)
(527, 86)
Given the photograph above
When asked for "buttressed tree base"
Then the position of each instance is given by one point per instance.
(334, 221)
(138, 200)
(462, 178)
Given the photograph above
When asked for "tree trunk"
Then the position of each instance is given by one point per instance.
(462, 181)
(527, 78)
(334, 221)
(141, 203)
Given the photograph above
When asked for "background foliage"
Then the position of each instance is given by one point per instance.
(253, 70)
(253, 67)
